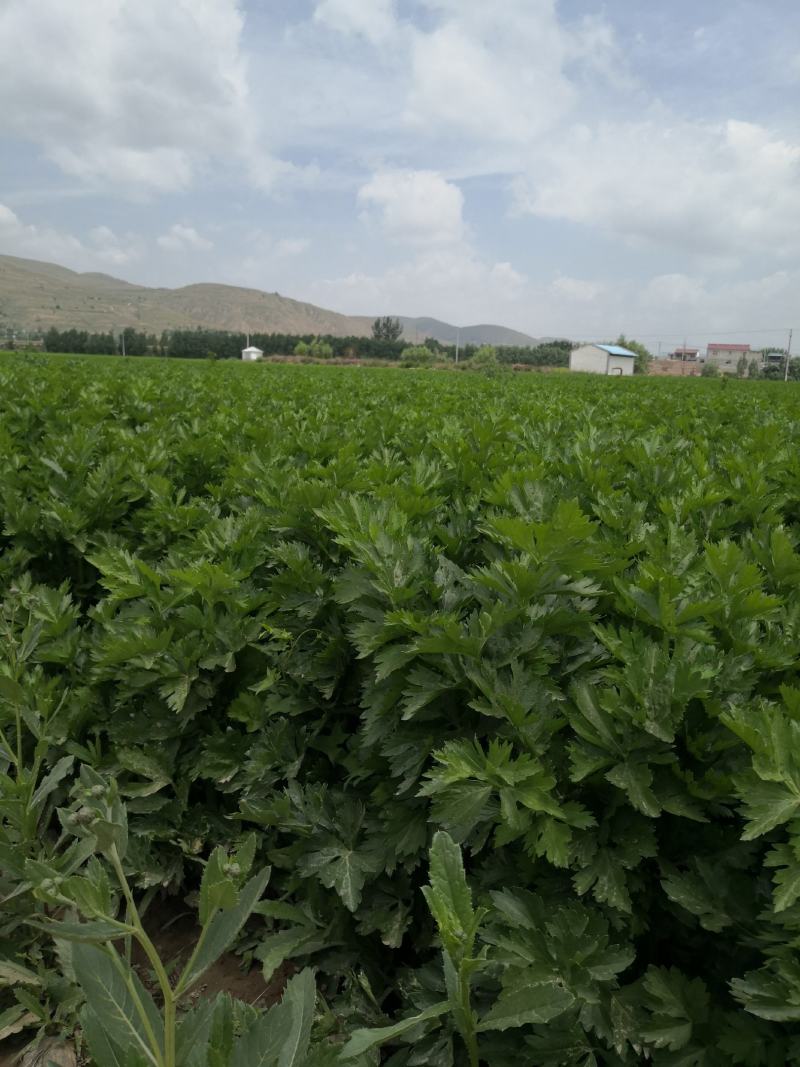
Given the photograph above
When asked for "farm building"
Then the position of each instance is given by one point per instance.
(772, 357)
(688, 355)
(602, 359)
(727, 356)
(251, 353)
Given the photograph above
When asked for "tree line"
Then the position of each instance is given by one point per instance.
(224, 344)
(130, 341)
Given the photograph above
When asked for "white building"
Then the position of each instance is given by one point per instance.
(251, 354)
(602, 359)
(727, 356)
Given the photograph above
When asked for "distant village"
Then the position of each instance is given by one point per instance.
(733, 358)
(721, 357)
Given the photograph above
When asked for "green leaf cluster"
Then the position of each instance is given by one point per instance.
(333, 620)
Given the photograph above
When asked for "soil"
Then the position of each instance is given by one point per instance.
(174, 931)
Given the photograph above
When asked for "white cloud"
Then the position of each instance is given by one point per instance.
(389, 107)
(509, 279)
(373, 19)
(110, 248)
(710, 189)
(8, 218)
(670, 307)
(292, 246)
(579, 290)
(123, 94)
(416, 206)
(675, 292)
(181, 238)
(138, 170)
(445, 86)
(103, 248)
(453, 283)
(594, 51)
(458, 285)
(497, 79)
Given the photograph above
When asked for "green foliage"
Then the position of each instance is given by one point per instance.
(710, 370)
(486, 355)
(198, 343)
(121, 1022)
(387, 329)
(485, 360)
(548, 354)
(643, 359)
(315, 349)
(417, 356)
(319, 349)
(136, 343)
(776, 371)
(498, 676)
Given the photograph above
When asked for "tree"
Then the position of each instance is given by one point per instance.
(100, 344)
(486, 354)
(319, 349)
(710, 370)
(387, 329)
(754, 370)
(52, 340)
(484, 359)
(417, 356)
(135, 342)
(550, 354)
(641, 364)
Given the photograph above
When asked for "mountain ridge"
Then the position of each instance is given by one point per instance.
(36, 295)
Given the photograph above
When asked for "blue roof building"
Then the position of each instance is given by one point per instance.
(611, 360)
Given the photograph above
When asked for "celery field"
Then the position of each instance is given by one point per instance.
(291, 644)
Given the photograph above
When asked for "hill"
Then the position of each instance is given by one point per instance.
(468, 335)
(35, 296)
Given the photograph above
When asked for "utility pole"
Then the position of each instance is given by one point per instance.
(458, 338)
(122, 338)
(788, 357)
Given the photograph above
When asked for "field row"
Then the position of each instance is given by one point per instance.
(318, 615)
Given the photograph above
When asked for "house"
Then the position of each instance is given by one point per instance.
(687, 355)
(602, 359)
(251, 353)
(727, 356)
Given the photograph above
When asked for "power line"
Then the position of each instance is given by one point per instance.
(679, 334)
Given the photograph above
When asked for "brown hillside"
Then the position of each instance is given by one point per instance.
(35, 296)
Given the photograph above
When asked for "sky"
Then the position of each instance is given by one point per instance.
(563, 167)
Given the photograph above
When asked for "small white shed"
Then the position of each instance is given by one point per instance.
(251, 354)
(602, 359)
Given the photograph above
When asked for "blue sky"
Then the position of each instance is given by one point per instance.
(566, 168)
